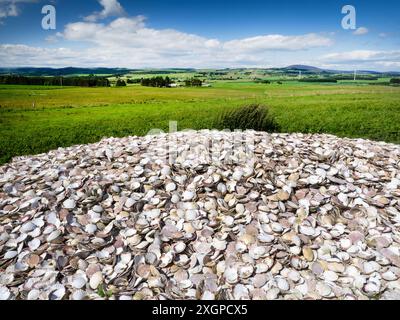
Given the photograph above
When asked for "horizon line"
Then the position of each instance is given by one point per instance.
(193, 68)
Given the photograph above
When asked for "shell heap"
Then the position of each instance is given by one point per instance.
(314, 217)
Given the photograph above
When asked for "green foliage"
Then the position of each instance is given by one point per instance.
(358, 77)
(158, 82)
(193, 82)
(319, 80)
(90, 81)
(102, 292)
(120, 83)
(262, 81)
(395, 81)
(255, 117)
(133, 81)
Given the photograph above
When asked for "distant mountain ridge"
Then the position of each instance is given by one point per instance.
(301, 67)
(30, 71)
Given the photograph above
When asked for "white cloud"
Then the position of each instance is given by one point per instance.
(363, 55)
(131, 33)
(10, 8)
(365, 59)
(361, 31)
(23, 55)
(111, 8)
(278, 42)
(128, 42)
(131, 42)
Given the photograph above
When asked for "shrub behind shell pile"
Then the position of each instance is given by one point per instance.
(251, 117)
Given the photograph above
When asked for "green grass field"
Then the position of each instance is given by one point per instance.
(37, 119)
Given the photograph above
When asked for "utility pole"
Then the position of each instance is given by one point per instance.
(355, 75)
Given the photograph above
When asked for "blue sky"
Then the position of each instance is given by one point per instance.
(201, 34)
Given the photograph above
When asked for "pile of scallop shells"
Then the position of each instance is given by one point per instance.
(310, 217)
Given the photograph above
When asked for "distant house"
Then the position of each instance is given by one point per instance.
(173, 85)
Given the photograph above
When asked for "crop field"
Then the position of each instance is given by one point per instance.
(36, 119)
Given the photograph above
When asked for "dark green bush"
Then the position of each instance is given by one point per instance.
(90, 81)
(318, 80)
(262, 81)
(158, 82)
(193, 82)
(251, 117)
(359, 77)
(120, 83)
(133, 81)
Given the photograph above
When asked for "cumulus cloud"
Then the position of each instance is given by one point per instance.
(11, 8)
(128, 42)
(279, 42)
(23, 55)
(131, 39)
(361, 31)
(111, 8)
(364, 55)
(133, 33)
(371, 59)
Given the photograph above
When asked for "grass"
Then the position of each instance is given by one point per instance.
(255, 117)
(67, 116)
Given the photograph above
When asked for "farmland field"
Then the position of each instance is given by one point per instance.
(36, 119)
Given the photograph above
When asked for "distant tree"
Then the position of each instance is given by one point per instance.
(193, 82)
(333, 80)
(120, 83)
(55, 81)
(359, 77)
(395, 81)
(133, 81)
(158, 82)
(262, 81)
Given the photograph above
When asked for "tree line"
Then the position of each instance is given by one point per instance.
(120, 83)
(158, 82)
(395, 81)
(358, 77)
(161, 82)
(90, 81)
(318, 80)
(193, 82)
